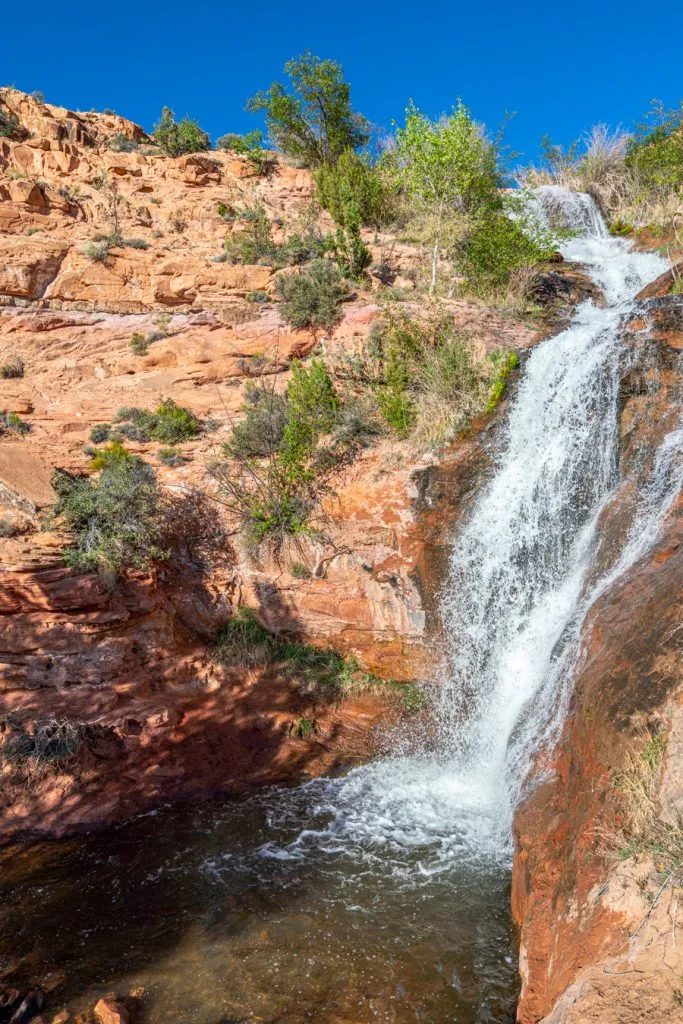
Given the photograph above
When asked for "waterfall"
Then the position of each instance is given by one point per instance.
(518, 590)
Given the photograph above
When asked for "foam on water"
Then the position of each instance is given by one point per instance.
(516, 597)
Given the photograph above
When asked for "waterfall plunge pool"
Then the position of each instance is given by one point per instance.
(213, 913)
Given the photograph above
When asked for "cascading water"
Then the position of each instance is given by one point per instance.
(515, 601)
(382, 896)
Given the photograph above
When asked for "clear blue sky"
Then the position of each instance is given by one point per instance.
(560, 66)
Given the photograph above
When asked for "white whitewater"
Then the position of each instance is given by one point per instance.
(517, 594)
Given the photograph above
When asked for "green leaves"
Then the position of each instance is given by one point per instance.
(449, 161)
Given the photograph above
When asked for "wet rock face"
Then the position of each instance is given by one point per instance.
(586, 926)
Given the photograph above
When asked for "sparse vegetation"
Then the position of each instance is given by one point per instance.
(8, 528)
(322, 674)
(426, 376)
(12, 423)
(251, 146)
(644, 833)
(120, 143)
(255, 245)
(178, 137)
(170, 457)
(10, 126)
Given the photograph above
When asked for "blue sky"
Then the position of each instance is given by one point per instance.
(560, 67)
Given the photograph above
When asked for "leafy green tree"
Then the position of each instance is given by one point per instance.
(176, 138)
(446, 166)
(314, 123)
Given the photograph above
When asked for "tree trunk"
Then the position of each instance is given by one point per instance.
(435, 251)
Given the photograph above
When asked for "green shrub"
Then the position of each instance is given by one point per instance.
(100, 432)
(258, 296)
(117, 519)
(260, 431)
(176, 138)
(494, 247)
(10, 127)
(313, 407)
(655, 153)
(300, 571)
(256, 245)
(251, 146)
(313, 297)
(120, 143)
(354, 180)
(429, 381)
(276, 499)
(11, 423)
(138, 344)
(14, 367)
(169, 423)
(7, 528)
(174, 424)
(313, 124)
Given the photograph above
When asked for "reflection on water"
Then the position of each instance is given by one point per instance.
(209, 911)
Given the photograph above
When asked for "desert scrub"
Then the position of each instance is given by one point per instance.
(117, 519)
(270, 483)
(120, 143)
(170, 457)
(168, 423)
(643, 833)
(428, 381)
(254, 244)
(100, 432)
(49, 745)
(11, 423)
(312, 298)
(138, 344)
(320, 673)
(14, 367)
(8, 528)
